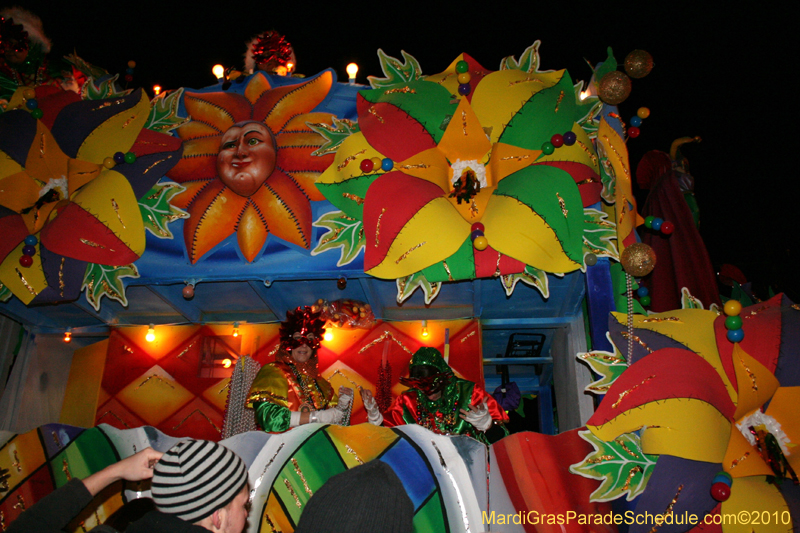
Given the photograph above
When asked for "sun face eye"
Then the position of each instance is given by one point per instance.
(252, 141)
(228, 145)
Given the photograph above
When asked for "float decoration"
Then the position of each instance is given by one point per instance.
(103, 280)
(274, 184)
(344, 232)
(334, 134)
(164, 115)
(66, 193)
(620, 464)
(415, 136)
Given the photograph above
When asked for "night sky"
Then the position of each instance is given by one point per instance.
(720, 74)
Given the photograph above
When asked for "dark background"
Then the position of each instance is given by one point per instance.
(720, 73)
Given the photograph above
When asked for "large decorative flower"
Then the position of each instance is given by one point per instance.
(460, 161)
(54, 186)
(704, 405)
(247, 164)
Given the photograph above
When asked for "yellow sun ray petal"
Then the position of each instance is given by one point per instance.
(512, 228)
(507, 159)
(755, 383)
(117, 134)
(429, 165)
(252, 232)
(45, 160)
(741, 459)
(18, 191)
(464, 137)
(580, 152)
(411, 252)
(300, 122)
(81, 173)
(257, 86)
(501, 94)
(285, 208)
(214, 215)
(683, 427)
(197, 130)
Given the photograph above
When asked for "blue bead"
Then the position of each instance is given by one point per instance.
(129, 70)
(636, 121)
(464, 89)
(735, 335)
(31, 240)
(642, 291)
(722, 478)
(32, 104)
(657, 223)
(387, 164)
(570, 138)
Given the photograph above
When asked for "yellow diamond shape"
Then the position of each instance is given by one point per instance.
(154, 396)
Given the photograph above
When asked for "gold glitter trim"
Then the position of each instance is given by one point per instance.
(41, 145)
(635, 470)
(108, 104)
(464, 122)
(291, 491)
(20, 503)
(302, 477)
(447, 269)
(600, 459)
(526, 80)
(624, 447)
(128, 122)
(626, 392)
(349, 159)
(155, 225)
(148, 169)
(423, 243)
(378, 227)
(56, 440)
(404, 90)
(756, 311)
(155, 195)
(116, 210)
(663, 319)
(92, 244)
(353, 453)
(356, 199)
(158, 378)
(558, 103)
(65, 468)
(602, 357)
(25, 282)
(411, 167)
(562, 204)
(61, 284)
(619, 156)
(332, 236)
(637, 340)
(261, 396)
(591, 155)
(473, 209)
(596, 251)
(753, 383)
(736, 462)
(201, 414)
(16, 464)
(121, 421)
(515, 157)
(468, 335)
(584, 182)
(796, 307)
(375, 114)
(668, 510)
(386, 335)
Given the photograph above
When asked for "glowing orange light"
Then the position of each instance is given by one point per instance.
(151, 333)
(68, 335)
(226, 363)
(328, 336)
(219, 71)
(157, 89)
(235, 330)
(424, 328)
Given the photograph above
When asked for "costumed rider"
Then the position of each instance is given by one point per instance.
(289, 392)
(441, 402)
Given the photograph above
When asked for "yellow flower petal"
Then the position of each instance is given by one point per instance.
(507, 159)
(24, 283)
(741, 459)
(117, 134)
(756, 384)
(464, 137)
(429, 165)
(346, 164)
(758, 506)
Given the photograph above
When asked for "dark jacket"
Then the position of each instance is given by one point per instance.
(158, 522)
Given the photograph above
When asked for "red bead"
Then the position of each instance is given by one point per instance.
(667, 227)
(478, 226)
(128, 78)
(720, 491)
(367, 165)
(633, 131)
(557, 140)
(26, 260)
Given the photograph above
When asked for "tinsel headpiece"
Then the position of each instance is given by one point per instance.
(304, 321)
(270, 48)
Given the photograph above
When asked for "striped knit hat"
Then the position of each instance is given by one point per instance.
(195, 478)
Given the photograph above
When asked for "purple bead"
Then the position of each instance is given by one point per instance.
(464, 89)
(475, 234)
(29, 250)
(119, 158)
(570, 138)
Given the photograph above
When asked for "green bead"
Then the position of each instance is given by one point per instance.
(462, 67)
(37, 113)
(733, 322)
(548, 148)
(130, 157)
(648, 222)
(645, 301)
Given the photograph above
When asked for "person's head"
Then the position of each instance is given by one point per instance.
(204, 483)
(301, 333)
(247, 156)
(428, 372)
(369, 497)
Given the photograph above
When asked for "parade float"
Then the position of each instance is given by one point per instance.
(453, 210)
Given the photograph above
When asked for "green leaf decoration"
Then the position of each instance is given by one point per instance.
(333, 134)
(607, 177)
(607, 365)
(621, 291)
(394, 71)
(610, 64)
(407, 285)
(620, 464)
(528, 61)
(599, 234)
(593, 108)
(460, 265)
(343, 232)
(92, 90)
(104, 280)
(85, 67)
(5, 293)
(530, 276)
(156, 210)
(164, 112)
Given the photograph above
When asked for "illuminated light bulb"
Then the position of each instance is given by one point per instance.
(290, 66)
(235, 330)
(157, 89)
(328, 336)
(424, 328)
(151, 333)
(352, 70)
(226, 363)
(68, 335)
(219, 71)
(584, 95)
